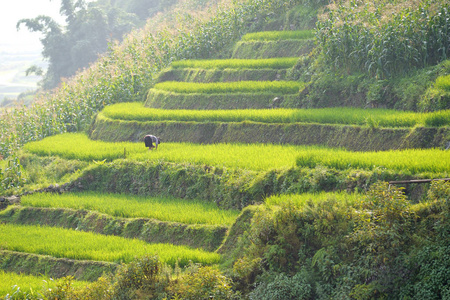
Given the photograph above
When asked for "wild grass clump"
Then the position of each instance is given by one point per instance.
(283, 87)
(278, 35)
(129, 206)
(238, 64)
(65, 243)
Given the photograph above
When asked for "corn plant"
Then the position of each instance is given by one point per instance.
(385, 38)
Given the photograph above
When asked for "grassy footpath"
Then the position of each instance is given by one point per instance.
(243, 156)
(136, 111)
(58, 242)
(131, 206)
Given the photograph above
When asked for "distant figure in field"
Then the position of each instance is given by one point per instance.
(150, 139)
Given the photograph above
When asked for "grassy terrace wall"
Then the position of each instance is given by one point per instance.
(229, 188)
(350, 137)
(227, 75)
(270, 49)
(206, 237)
(170, 100)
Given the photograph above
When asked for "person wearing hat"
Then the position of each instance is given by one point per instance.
(150, 139)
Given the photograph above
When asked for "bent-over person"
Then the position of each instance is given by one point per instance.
(150, 139)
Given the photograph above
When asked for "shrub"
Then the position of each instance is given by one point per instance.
(281, 287)
(201, 284)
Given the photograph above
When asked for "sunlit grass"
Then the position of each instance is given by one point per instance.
(220, 64)
(136, 111)
(130, 206)
(412, 160)
(67, 243)
(284, 87)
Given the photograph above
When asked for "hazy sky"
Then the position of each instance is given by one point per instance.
(13, 11)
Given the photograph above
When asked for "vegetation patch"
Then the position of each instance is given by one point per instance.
(129, 206)
(59, 242)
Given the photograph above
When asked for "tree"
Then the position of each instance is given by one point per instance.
(88, 30)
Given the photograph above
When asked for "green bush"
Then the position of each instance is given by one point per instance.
(202, 283)
(443, 83)
(283, 287)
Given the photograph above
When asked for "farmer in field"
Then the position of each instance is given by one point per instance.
(150, 139)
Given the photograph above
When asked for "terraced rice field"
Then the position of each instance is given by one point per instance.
(136, 111)
(59, 242)
(244, 156)
(131, 206)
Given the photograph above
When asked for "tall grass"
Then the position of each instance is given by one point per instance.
(65, 243)
(220, 64)
(136, 111)
(128, 206)
(284, 87)
(251, 157)
(278, 35)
